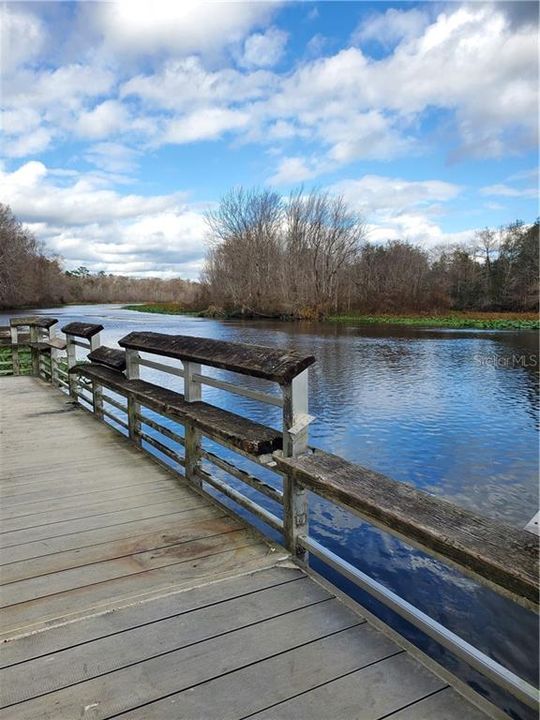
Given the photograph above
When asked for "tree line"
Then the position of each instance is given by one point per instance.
(29, 277)
(305, 256)
(309, 256)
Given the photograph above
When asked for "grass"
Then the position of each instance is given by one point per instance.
(493, 321)
(25, 361)
(160, 308)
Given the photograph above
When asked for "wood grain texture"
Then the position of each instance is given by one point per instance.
(82, 330)
(503, 556)
(255, 360)
(38, 321)
(110, 357)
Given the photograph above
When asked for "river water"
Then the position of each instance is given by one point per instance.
(453, 412)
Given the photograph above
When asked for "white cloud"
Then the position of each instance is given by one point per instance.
(264, 49)
(103, 229)
(470, 61)
(292, 170)
(21, 37)
(392, 26)
(387, 193)
(33, 194)
(204, 124)
(503, 190)
(398, 209)
(27, 144)
(103, 120)
(185, 83)
(178, 27)
(112, 157)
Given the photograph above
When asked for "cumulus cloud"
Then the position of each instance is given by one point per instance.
(264, 49)
(204, 124)
(398, 209)
(186, 83)
(21, 37)
(293, 170)
(105, 230)
(107, 118)
(392, 26)
(139, 26)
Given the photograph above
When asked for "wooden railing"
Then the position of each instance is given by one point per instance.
(174, 427)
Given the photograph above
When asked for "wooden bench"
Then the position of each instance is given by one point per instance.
(499, 555)
(250, 437)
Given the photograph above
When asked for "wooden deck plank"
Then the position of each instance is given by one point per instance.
(275, 679)
(192, 527)
(89, 504)
(443, 705)
(370, 693)
(63, 489)
(55, 504)
(100, 506)
(16, 555)
(74, 665)
(179, 669)
(67, 606)
(149, 611)
(225, 532)
(100, 519)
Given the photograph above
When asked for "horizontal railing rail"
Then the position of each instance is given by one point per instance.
(500, 557)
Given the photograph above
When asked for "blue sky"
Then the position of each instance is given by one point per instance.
(123, 122)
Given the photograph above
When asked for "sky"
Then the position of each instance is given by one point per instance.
(124, 122)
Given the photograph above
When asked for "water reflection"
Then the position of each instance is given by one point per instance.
(454, 412)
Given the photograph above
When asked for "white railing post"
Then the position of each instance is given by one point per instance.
(14, 333)
(55, 354)
(97, 388)
(34, 352)
(295, 441)
(134, 408)
(192, 447)
(71, 352)
(95, 342)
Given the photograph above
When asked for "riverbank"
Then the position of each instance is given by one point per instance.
(453, 319)
(161, 309)
(487, 320)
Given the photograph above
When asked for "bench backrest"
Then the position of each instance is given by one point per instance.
(280, 366)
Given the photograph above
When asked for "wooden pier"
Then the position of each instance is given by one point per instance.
(129, 591)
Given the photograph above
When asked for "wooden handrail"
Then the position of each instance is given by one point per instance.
(83, 330)
(37, 321)
(501, 556)
(280, 366)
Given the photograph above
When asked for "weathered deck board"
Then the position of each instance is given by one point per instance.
(125, 592)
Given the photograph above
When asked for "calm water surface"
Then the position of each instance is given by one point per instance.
(454, 412)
